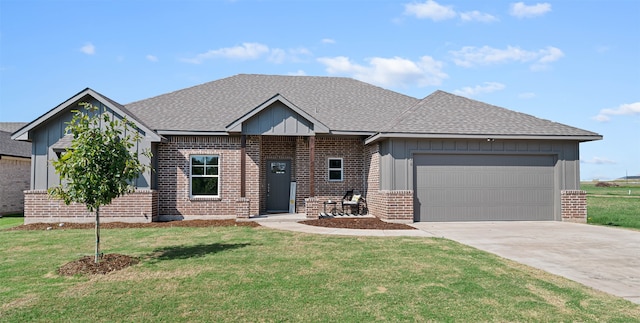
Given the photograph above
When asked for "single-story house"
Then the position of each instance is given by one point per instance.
(15, 166)
(233, 147)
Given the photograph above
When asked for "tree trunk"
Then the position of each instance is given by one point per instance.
(97, 259)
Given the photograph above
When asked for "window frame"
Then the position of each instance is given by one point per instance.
(333, 169)
(204, 175)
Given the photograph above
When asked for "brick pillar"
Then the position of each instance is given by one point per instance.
(242, 208)
(312, 207)
(574, 206)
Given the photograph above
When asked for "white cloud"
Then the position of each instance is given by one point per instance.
(250, 51)
(521, 10)
(486, 87)
(470, 56)
(277, 56)
(477, 16)
(88, 49)
(246, 51)
(328, 41)
(623, 109)
(430, 10)
(598, 161)
(152, 58)
(437, 12)
(396, 71)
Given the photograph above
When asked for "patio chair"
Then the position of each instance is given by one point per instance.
(353, 199)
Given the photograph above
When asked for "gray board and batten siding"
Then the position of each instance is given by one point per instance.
(47, 134)
(278, 120)
(506, 179)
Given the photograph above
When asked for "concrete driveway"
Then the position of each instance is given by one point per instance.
(604, 258)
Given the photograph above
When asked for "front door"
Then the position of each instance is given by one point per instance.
(278, 181)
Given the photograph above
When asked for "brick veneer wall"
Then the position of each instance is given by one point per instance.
(14, 179)
(388, 205)
(139, 206)
(173, 177)
(392, 205)
(574, 206)
(351, 150)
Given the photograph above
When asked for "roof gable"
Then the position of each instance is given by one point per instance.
(23, 133)
(271, 118)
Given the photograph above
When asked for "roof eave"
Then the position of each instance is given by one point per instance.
(385, 135)
(191, 133)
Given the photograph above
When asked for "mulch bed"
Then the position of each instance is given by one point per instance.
(113, 262)
(358, 223)
(87, 266)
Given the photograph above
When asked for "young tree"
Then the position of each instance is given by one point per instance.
(100, 165)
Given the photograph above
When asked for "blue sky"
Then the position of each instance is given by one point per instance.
(573, 62)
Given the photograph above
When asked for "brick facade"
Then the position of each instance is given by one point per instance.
(174, 181)
(139, 207)
(14, 179)
(574, 206)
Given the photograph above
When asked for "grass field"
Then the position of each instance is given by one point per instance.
(613, 205)
(256, 274)
(11, 220)
(625, 189)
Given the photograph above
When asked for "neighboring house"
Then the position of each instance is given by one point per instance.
(232, 147)
(15, 166)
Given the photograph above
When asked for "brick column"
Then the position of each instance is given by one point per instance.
(242, 208)
(312, 207)
(574, 206)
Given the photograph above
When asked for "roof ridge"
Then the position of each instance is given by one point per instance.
(399, 118)
(517, 112)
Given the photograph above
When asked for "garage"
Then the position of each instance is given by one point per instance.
(477, 187)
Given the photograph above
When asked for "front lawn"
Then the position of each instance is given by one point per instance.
(11, 220)
(256, 274)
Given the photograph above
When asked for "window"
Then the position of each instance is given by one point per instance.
(335, 169)
(205, 175)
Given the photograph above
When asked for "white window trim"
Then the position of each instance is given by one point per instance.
(329, 169)
(191, 176)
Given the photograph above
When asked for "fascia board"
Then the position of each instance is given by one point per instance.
(380, 136)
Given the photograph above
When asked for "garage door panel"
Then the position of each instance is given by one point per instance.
(484, 187)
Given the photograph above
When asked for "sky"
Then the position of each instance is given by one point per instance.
(572, 62)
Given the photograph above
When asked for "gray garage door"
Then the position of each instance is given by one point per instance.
(483, 187)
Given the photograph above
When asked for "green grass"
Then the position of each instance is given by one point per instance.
(613, 205)
(615, 211)
(625, 189)
(257, 274)
(11, 220)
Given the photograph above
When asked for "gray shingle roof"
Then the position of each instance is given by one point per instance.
(11, 126)
(446, 113)
(13, 148)
(339, 103)
(342, 104)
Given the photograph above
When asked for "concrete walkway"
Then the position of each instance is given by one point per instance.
(604, 258)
